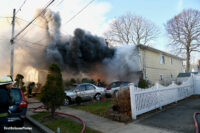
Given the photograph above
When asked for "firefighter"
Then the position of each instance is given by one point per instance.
(5, 100)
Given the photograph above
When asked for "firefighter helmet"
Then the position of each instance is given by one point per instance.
(6, 80)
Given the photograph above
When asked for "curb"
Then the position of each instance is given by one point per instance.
(43, 128)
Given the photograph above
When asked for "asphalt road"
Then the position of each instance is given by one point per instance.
(178, 118)
(29, 125)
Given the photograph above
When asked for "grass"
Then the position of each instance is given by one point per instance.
(65, 125)
(38, 96)
(99, 108)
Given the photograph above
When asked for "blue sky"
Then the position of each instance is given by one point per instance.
(158, 11)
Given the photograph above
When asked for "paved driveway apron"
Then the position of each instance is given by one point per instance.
(178, 118)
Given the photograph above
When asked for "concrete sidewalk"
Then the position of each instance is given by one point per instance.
(108, 126)
(105, 125)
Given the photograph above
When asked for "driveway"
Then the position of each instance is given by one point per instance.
(178, 118)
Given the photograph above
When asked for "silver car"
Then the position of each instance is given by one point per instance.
(114, 87)
(85, 91)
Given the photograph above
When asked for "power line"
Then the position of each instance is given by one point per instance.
(32, 20)
(33, 43)
(4, 17)
(31, 47)
(25, 33)
(79, 12)
(4, 39)
(32, 23)
(21, 7)
(60, 3)
(39, 25)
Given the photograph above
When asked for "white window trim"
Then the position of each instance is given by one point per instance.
(162, 60)
(161, 77)
(171, 60)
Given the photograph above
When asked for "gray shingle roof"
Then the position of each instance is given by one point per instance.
(181, 75)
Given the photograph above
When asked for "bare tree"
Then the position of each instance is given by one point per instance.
(184, 33)
(131, 29)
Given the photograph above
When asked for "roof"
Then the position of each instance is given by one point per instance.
(159, 51)
(181, 75)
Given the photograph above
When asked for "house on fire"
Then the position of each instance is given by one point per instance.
(157, 65)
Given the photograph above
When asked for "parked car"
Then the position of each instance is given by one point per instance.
(85, 91)
(18, 111)
(114, 87)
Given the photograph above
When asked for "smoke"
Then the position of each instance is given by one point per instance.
(80, 55)
(125, 65)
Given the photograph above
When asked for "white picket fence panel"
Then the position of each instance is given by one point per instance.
(197, 84)
(144, 100)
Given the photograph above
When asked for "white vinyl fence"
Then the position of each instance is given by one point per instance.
(197, 84)
(144, 100)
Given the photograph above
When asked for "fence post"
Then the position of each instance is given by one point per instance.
(176, 97)
(193, 85)
(158, 95)
(133, 103)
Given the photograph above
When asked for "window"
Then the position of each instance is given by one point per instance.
(171, 61)
(89, 87)
(115, 84)
(124, 83)
(162, 59)
(161, 77)
(81, 88)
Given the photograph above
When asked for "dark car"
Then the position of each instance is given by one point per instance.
(18, 111)
(114, 87)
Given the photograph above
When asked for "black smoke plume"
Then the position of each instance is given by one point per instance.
(80, 52)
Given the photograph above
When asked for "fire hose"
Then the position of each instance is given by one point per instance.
(196, 121)
(34, 110)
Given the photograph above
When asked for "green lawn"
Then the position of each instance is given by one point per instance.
(38, 96)
(98, 108)
(65, 125)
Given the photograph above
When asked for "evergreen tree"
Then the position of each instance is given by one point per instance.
(53, 94)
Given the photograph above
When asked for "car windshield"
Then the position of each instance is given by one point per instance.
(124, 83)
(115, 84)
(16, 94)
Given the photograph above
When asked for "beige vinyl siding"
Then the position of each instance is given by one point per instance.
(150, 62)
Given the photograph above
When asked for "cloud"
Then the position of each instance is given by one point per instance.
(92, 19)
(179, 5)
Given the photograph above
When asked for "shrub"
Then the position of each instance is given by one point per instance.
(100, 83)
(122, 102)
(85, 80)
(70, 82)
(143, 83)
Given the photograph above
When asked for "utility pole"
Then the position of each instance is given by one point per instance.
(12, 45)
(13, 37)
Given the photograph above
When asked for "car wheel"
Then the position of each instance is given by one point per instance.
(67, 101)
(78, 100)
(98, 97)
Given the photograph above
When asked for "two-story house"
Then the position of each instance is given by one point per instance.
(158, 65)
